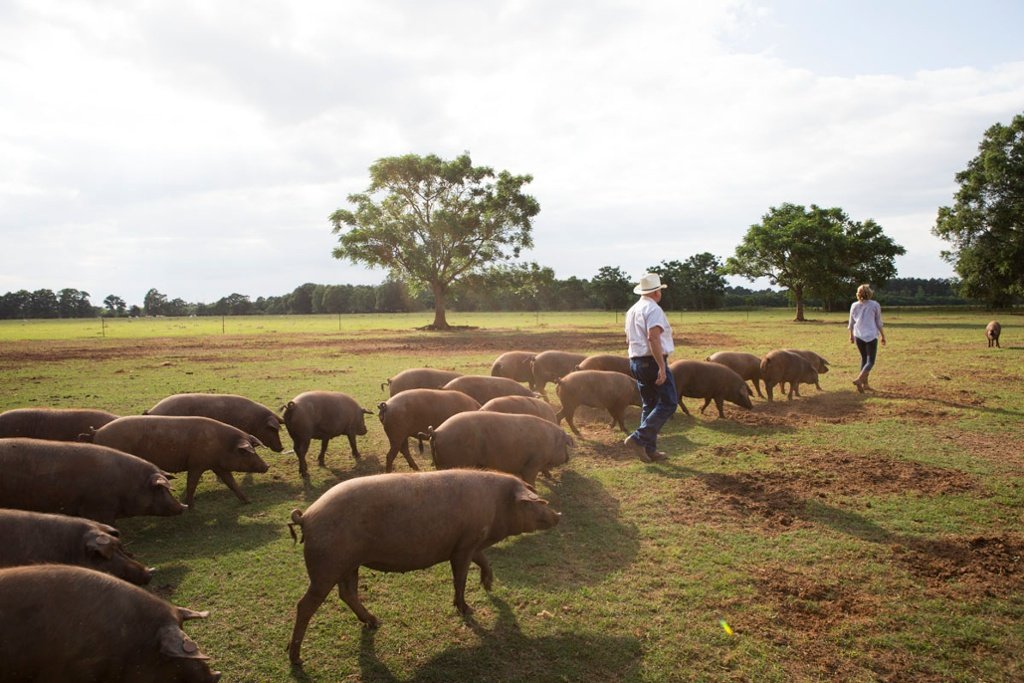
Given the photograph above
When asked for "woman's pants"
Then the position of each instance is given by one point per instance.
(868, 351)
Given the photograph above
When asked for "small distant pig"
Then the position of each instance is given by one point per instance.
(606, 361)
(323, 415)
(419, 378)
(82, 479)
(238, 411)
(483, 387)
(551, 365)
(522, 445)
(521, 405)
(186, 444)
(402, 522)
(746, 365)
(992, 331)
(40, 538)
(817, 362)
(780, 366)
(409, 412)
(514, 365)
(76, 625)
(55, 424)
(606, 389)
(710, 381)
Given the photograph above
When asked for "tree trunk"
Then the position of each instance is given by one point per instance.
(798, 294)
(440, 321)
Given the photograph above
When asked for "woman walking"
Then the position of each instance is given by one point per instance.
(866, 329)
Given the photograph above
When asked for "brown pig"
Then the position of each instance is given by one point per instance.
(419, 378)
(483, 387)
(746, 365)
(780, 366)
(76, 625)
(606, 361)
(323, 415)
(521, 405)
(402, 522)
(82, 479)
(817, 362)
(522, 445)
(514, 365)
(40, 538)
(238, 411)
(186, 444)
(711, 382)
(606, 389)
(55, 424)
(412, 411)
(992, 332)
(551, 365)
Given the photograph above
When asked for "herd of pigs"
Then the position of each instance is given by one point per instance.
(66, 475)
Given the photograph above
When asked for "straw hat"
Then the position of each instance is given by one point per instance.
(650, 282)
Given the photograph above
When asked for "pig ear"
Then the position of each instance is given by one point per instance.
(529, 497)
(159, 479)
(249, 443)
(187, 613)
(174, 643)
(100, 543)
(274, 422)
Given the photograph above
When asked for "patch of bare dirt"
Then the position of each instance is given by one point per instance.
(989, 565)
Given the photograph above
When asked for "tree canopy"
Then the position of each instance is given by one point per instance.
(986, 223)
(431, 222)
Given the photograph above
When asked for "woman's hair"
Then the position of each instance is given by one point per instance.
(864, 293)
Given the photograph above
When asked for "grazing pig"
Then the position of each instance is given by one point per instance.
(402, 522)
(992, 332)
(780, 366)
(483, 388)
(323, 415)
(238, 411)
(521, 405)
(606, 361)
(412, 411)
(81, 479)
(522, 445)
(55, 424)
(606, 389)
(514, 365)
(419, 378)
(551, 365)
(76, 625)
(817, 362)
(186, 444)
(711, 382)
(39, 538)
(746, 365)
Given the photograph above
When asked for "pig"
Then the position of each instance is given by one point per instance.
(522, 405)
(514, 365)
(606, 389)
(77, 625)
(606, 361)
(746, 365)
(323, 415)
(711, 382)
(186, 444)
(522, 445)
(419, 378)
(992, 332)
(402, 522)
(249, 416)
(55, 424)
(483, 388)
(412, 411)
(548, 366)
(780, 366)
(817, 362)
(40, 538)
(82, 479)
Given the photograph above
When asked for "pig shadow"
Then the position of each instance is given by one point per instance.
(204, 532)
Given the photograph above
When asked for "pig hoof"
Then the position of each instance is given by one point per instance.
(372, 624)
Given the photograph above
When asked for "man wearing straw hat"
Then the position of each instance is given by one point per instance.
(650, 341)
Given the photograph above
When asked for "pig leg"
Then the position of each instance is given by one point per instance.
(757, 386)
(460, 570)
(408, 456)
(352, 445)
(707, 402)
(768, 388)
(304, 611)
(323, 451)
(229, 481)
(301, 447)
(486, 574)
(567, 412)
(718, 404)
(619, 418)
(348, 590)
(191, 482)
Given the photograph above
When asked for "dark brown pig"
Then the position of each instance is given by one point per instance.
(606, 361)
(548, 366)
(992, 332)
(746, 365)
(483, 387)
(81, 479)
(186, 444)
(402, 522)
(238, 411)
(522, 445)
(40, 538)
(419, 378)
(780, 366)
(817, 362)
(323, 415)
(711, 382)
(56, 424)
(514, 365)
(409, 412)
(76, 625)
(521, 405)
(606, 389)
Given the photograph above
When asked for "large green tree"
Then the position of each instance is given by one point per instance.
(814, 252)
(431, 222)
(986, 224)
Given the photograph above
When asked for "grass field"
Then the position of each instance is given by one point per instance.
(841, 536)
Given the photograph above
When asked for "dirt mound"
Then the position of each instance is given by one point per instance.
(991, 565)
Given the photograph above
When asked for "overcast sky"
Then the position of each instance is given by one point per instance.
(198, 147)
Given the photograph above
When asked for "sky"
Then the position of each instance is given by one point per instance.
(199, 147)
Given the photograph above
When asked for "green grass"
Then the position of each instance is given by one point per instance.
(842, 536)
